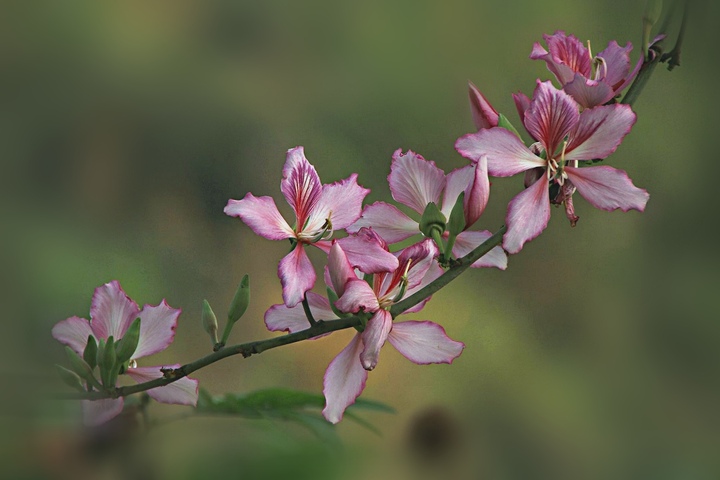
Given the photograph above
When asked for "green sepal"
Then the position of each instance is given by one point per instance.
(90, 352)
(126, 346)
(81, 368)
(99, 359)
(209, 322)
(332, 298)
(70, 378)
(456, 223)
(432, 219)
(503, 122)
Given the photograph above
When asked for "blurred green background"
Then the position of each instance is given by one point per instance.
(126, 126)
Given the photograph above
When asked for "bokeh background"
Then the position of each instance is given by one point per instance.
(126, 126)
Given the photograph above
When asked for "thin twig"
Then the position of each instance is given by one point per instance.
(308, 313)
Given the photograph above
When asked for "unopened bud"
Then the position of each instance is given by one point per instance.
(125, 348)
(238, 306)
(653, 10)
(240, 301)
(108, 369)
(70, 378)
(209, 321)
(484, 115)
(432, 219)
(456, 223)
(90, 352)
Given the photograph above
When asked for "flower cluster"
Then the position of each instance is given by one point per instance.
(373, 265)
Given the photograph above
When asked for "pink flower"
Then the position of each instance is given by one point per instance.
(590, 80)
(319, 209)
(111, 314)
(415, 182)
(421, 342)
(565, 136)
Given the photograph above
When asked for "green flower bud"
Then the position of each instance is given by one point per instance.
(332, 298)
(653, 10)
(90, 353)
(209, 321)
(81, 368)
(240, 301)
(432, 219)
(70, 378)
(125, 348)
(456, 224)
(108, 366)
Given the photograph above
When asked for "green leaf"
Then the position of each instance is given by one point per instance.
(503, 122)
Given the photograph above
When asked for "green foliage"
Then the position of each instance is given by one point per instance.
(289, 405)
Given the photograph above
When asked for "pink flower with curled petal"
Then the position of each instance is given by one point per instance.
(415, 182)
(111, 314)
(421, 342)
(590, 80)
(319, 209)
(564, 138)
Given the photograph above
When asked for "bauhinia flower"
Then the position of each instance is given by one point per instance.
(111, 314)
(590, 80)
(420, 342)
(564, 137)
(319, 209)
(416, 182)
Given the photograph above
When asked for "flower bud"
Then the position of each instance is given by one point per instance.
(456, 223)
(432, 219)
(653, 10)
(125, 348)
(332, 298)
(209, 321)
(90, 353)
(81, 368)
(108, 369)
(240, 301)
(484, 115)
(70, 378)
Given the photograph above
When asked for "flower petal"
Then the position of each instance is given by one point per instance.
(387, 221)
(567, 55)
(180, 392)
(589, 93)
(261, 215)
(424, 342)
(456, 182)
(552, 114)
(344, 381)
(374, 336)
(97, 412)
(528, 215)
(484, 115)
(297, 275)
(368, 252)
(617, 63)
(280, 318)
(599, 132)
(468, 241)
(358, 296)
(522, 103)
(608, 188)
(339, 269)
(73, 332)
(506, 154)
(414, 181)
(300, 184)
(420, 256)
(341, 202)
(477, 193)
(157, 329)
(111, 311)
